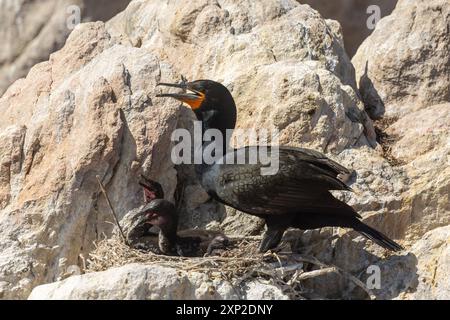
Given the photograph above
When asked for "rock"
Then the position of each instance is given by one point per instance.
(407, 58)
(420, 274)
(427, 137)
(433, 255)
(403, 72)
(407, 201)
(261, 34)
(305, 62)
(353, 16)
(242, 224)
(403, 190)
(258, 290)
(88, 111)
(32, 30)
(136, 281)
(424, 148)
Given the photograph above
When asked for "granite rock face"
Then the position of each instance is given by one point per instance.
(31, 30)
(90, 110)
(135, 281)
(403, 74)
(403, 71)
(433, 255)
(357, 17)
(86, 112)
(274, 57)
(404, 65)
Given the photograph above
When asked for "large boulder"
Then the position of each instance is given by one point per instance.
(355, 16)
(150, 282)
(86, 112)
(403, 65)
(402, 69)
(284, 64)
(433, 255)
(423, 146)
(403, 77)
(31, 30)
(90, 111)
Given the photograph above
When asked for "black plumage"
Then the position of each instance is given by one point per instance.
(163, 214)
(297, 195)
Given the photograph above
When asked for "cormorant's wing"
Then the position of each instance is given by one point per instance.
(322, 168)
(301, 184)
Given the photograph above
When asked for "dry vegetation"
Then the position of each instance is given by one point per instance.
(386, 140)
(240, 262)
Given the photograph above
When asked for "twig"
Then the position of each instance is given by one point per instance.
(273, 254)
(247, 238)
(83, 262)
(289, 268)
(315, 273)
(112, 209)
(338, 270)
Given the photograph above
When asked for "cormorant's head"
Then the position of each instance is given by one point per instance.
(161, 213)
(211, 102)
(152, 189)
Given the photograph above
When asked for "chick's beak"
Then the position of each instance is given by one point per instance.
(193, 98)
(147, 219)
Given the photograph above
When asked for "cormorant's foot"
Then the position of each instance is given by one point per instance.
(271, 239)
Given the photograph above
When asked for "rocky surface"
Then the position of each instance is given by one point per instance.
(135, 281)
(433, 256)
(424, 148)
(405, 62)
(90, 110)
(305, 62)
(353, 16)
(31, 30)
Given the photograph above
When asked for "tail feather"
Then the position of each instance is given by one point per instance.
(377, 237)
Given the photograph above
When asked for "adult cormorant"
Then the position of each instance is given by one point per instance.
(297, 195)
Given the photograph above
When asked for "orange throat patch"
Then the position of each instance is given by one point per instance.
(195, 103)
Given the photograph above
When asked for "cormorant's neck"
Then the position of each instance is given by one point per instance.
(216, 119)
(216, 149)
(168, 235)
(167, 242)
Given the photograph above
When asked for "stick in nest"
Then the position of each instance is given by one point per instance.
(102, 188)
(339, 271)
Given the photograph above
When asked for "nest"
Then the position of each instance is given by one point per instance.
(114, 252)
(241, 261)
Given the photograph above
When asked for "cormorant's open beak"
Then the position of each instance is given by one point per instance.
(193, 98)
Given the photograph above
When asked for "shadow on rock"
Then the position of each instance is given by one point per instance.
(373, 103)
(386, 276)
